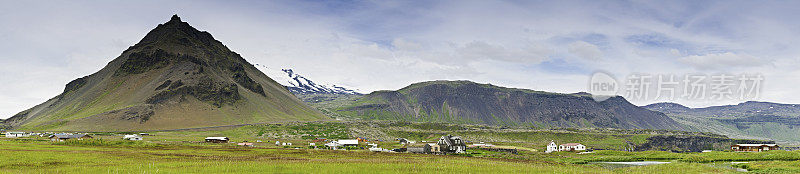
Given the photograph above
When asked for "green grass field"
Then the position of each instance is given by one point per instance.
(111, 156)
(184, 152)
(116, 156)
(47, 157)
(771, 166)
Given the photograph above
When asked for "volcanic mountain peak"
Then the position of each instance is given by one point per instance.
(174, 18)
(175, 77)
(176, 36)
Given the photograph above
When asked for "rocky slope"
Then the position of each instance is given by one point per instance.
(175, 77)
(469, 102)
(754, 120)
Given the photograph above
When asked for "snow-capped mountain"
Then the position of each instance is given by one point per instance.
(299, 84)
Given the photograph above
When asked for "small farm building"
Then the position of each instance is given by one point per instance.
(216, 139)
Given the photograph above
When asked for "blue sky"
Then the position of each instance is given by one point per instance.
(375, 45)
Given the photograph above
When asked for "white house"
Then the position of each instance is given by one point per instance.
(452, 144)
(16, 134)
(132, 137)
(552, 147)
(353, 142)
(375, 148)
(217, 139)
(333, 145)
(571, 147)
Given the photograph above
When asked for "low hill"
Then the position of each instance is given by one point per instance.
(470, 102)
(755, 120)
(175, 77)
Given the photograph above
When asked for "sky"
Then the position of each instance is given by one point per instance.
(551, 46)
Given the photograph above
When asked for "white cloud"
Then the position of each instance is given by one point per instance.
(723, 60)
(479, 50)
(585, 50)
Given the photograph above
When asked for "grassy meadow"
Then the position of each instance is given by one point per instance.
(116, 156)
(47, 157)
(184, 152)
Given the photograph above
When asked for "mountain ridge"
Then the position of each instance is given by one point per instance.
(751, 119)
(470, 102)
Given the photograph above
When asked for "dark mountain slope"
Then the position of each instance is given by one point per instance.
(175, 77)
(469, 102)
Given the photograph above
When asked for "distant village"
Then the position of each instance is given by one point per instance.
(447, 144)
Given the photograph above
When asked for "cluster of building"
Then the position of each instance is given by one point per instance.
(16, 134)
(446, 144)
(49, 135)
(340, 144)
(67, 136)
